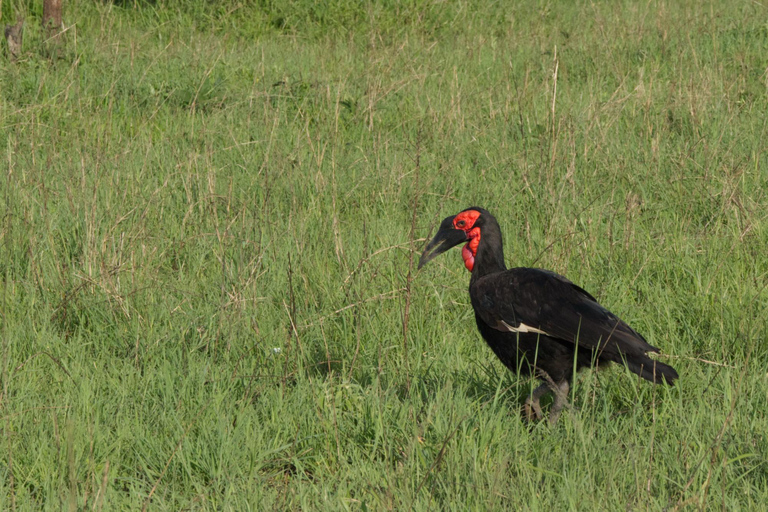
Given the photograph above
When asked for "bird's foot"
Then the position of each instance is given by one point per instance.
(561, 400)
(532, 410)
(532, 406)
(553, 417)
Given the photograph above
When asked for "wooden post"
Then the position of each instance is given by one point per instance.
(13, 36)
(52, 17)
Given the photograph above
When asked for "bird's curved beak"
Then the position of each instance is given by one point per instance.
(445, 238)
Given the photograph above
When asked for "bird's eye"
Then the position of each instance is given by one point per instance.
(460, 224)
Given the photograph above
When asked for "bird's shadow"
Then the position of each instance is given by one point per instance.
(480, 382)
(483, 384)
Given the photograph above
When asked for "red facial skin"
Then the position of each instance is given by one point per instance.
(465, 221)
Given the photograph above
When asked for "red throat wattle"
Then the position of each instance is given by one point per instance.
(465, 221)
(469, 251)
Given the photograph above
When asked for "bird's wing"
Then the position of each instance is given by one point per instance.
(539, 301)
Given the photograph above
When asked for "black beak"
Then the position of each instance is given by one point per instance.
(445, 238)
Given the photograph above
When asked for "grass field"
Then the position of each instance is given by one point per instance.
(212, 211)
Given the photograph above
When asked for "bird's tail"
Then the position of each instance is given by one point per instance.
(652, 370)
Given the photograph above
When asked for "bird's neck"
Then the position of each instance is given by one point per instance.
(489, 257)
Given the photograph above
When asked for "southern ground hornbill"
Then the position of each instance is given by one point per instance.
(537, 321)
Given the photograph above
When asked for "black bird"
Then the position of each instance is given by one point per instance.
(537, 321)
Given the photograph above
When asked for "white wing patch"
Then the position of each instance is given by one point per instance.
(504, 326)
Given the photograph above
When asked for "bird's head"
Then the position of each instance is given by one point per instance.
(464, 227)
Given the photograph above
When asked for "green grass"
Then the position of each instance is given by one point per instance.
(211, 214)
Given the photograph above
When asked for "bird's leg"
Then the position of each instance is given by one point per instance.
(561, 399)
(532, 407)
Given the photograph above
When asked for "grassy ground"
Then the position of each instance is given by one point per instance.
(211, 214)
